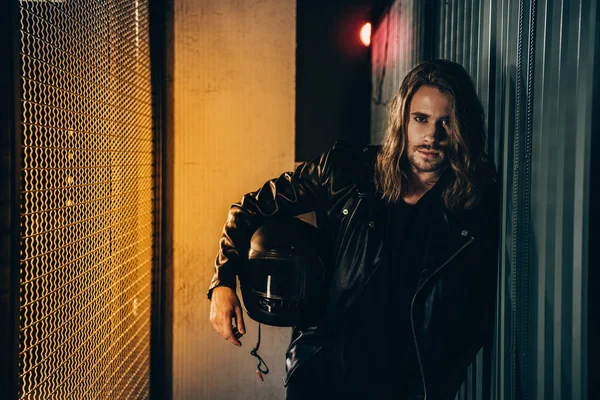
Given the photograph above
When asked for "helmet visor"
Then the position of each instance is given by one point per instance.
(291, 279)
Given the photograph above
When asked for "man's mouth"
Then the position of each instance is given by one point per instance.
(429, 153)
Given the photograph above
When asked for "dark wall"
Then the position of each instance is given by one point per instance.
(332, 75)
(9, 199)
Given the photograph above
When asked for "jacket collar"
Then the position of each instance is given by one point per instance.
(447, 231)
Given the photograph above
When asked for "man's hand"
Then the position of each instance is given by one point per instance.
(225, 306)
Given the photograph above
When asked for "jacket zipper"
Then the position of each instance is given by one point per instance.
(412, 320)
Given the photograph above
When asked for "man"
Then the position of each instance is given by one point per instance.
(413, 227)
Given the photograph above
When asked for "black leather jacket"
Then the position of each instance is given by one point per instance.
(452, 312)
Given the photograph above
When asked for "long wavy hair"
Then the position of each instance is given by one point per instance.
(467, 168)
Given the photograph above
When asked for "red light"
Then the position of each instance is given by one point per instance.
(365, 34)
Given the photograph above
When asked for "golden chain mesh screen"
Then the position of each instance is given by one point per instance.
(87, 200)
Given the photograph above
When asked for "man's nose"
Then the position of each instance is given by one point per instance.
(429, 135)
(436, 133)
(432, 133)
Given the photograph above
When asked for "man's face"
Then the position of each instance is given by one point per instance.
(428, 129)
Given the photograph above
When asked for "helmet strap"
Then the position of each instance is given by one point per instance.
(261, 367)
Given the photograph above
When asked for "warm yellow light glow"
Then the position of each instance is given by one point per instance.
(365, 34)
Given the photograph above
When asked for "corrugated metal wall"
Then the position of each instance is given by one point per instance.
(532, 62)
(563, 82)
(511, 126)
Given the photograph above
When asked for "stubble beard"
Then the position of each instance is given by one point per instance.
(420, 164)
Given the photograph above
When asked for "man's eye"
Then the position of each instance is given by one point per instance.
(445, 122)
(419, 118)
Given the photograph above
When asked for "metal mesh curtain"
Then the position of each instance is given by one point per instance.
(87, 210)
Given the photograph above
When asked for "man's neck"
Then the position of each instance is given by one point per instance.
(420, 183)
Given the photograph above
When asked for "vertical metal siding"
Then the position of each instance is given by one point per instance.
(592, 276)
(504, 129)
(560, 197)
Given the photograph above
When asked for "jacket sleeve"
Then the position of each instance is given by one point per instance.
(290, 194)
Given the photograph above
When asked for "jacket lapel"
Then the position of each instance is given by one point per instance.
(448, 236)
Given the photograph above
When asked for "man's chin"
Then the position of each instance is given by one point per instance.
(426, 167)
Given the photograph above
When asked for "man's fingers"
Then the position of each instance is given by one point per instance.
(229, 335)
(239, 318)
(226, 330)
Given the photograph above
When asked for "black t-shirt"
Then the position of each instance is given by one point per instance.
(377, 346)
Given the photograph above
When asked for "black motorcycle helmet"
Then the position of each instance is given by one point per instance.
(282, 283)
